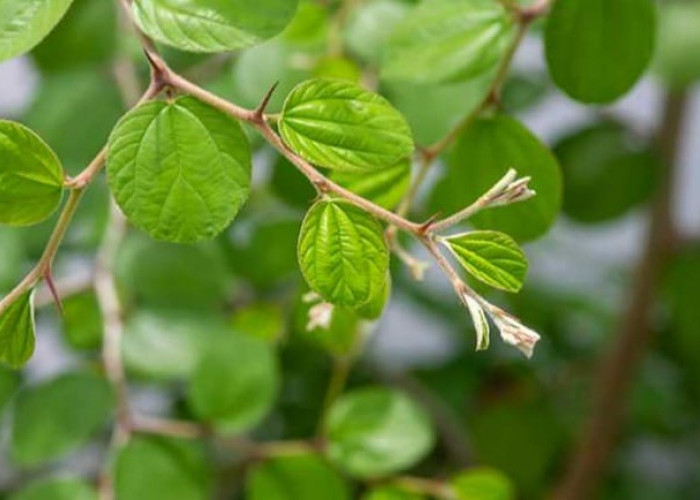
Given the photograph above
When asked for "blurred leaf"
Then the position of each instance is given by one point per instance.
(447, 41)
(24, 23)
(524, 90)
(483, 484)
(261, 320)
(235, 383)
(86, 103)
(433, 111)
(56, 489)
(482, 155)
(297, 477)
(166, 344)
(31, 177)
(193, 167)
(607, 171)
(683, 279)
(386, 187)
(596, 49)
(17, 331)
(65, 47)
(370, 25)
(338, 68)
(9, 382)
(213, 26)
(389, 493)
(55, 417)
(375, 432)
(290, 185)
(82, 320)
(168, 275)
(267, 256)
(342, 253)
(161, 469)
(491, 257)
(13, 255)
(339, 339)
(325, 121)
(677, 61)
(309, 27)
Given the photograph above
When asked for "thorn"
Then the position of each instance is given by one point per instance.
(158, 68)
(48, 278)
(425, 227)
(260, 110)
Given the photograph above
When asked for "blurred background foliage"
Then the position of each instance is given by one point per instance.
(491, 409)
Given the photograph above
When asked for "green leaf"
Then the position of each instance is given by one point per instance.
(55, 417)
(369, 26)
(682, 293)
(339, 339)
(235, 383)
(607, 163)
(381, 293)
(161, 275)
(262, 320)
(24, 23)
(596, 49)
(161, 469)
(9, 382)
(82, 320)
(31, 178)
(212, 25)
(17, 331)
(339, 125)
(483, 484)
(56, 489)
(391, 493)
(448, 40)
(484, 152)
(678, 45)
(65, 47)
(342, 253)
(375, 432)
(298, 477)
(491, 257)
(167, 344)
(386, 186)
(179, 170)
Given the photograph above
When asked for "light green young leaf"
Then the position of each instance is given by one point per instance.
(57, 416)
(161, 469)
(213, 25)
(342, 253)
(482, 155)
(24, 23)
(299, 477)
(179, 170)
(677, 61)
(492, 257)
(483, 484)
(597, 49)
(56, 489)
(339, 125)
(17, 331)
(31, 177)
(448, 40)
(375, 432)
(386, 187)
(235, 382)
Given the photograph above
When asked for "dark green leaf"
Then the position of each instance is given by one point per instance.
(212, 25)
(56, 489)
(597, 49)
(484, 152)
(342, 253)
(24, 23)
(483, 484)
(179, 170)
(235, 382)
(341, 126)
(491, 257)
(161, 469)
(300, 477)
(58, 416)
(376, 432)
(17, 331)
(9, 382)
(31, 178)
(607, 171)
(82, 320)
(448, 40)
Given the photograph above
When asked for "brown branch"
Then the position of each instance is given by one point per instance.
(618, 367)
